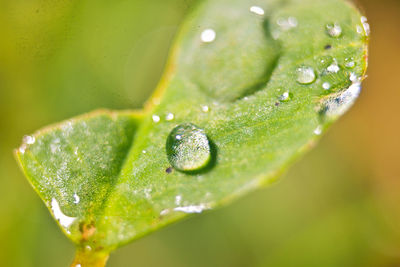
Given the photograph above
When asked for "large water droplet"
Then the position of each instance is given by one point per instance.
(305, 75)
(188, 148)
(64, 220)
(337, 106)
(334, 30)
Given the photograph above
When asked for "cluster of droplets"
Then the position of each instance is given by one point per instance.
(27, 140)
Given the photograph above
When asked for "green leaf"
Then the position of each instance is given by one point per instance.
(258, 89)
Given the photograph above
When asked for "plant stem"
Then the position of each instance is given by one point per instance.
(85, 258)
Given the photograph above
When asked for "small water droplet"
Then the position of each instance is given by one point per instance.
(178, 199)
(64, 220)
(285, 96)
(257, 10)
(205, 108)
(169, 117)
(326, 85)
(334, 30)
(349, 63)
(188, 148)
(30, 140)
(192, 208)
(318, 130)
(305, 75)
(144, 151)
(333, 68)
(208, 35)
(76, 199)
(287, 24)
(156, 118)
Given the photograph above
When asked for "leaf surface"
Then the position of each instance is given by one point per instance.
(262, 87)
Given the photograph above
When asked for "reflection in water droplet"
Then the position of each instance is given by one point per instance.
(169, 117)
(156, 118)
(208, 35)
(334, 30)
(257, 10)
(326, 85)
(192, 208)
(188, 148)
(305, 75)
(64, 220)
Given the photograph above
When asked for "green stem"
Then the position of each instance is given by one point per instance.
(85, 258)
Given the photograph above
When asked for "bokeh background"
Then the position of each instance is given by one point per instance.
(337, 206)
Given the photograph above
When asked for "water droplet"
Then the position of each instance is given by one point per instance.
(285, 96)
(333, 68)
(318, 130)
(64, 220)
(349, 63)
(188, 148)
(169, 117)
(305, 75)
(29, 140)
(326, 85)
(208, 35)
(76, 199)
(365, 24)
(192, 208)
(334, 30)
(144, 151)
(205, 108)
(178, 199)
(287, 24)
(257, 10)
(156, 118)
(339, 104)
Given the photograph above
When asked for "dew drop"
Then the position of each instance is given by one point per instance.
(192, 208)
(169, 117)
(365, 24)
(29, 140)
(156, 118)
(285, 96)
(257, 10)
(305, 75)
(205, 108)
(208, 35)
(77, 199)
(334, 30)
(349, 63)
(318, 130)
(63, 219)
(188, 148)
(338, 105)
(333, 68)
(326, 85)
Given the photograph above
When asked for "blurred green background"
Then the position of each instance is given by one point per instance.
(338, 206)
